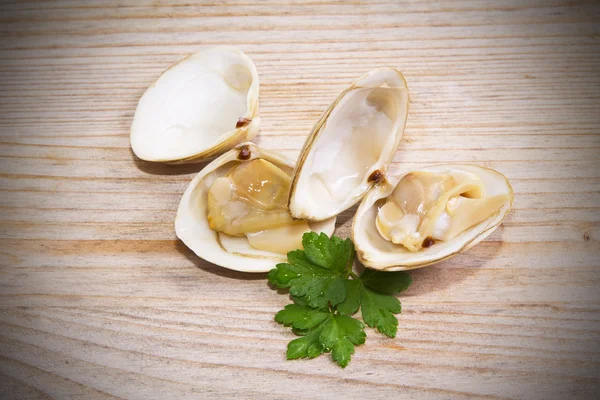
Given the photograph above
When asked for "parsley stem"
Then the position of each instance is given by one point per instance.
(354, 276)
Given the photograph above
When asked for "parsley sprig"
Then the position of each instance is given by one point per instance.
(327, 293)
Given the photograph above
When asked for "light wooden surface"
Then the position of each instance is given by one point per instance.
(99, 300)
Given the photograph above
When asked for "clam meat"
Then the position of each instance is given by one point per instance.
(426, 207)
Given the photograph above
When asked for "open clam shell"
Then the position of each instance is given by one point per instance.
(377, 253)
(350, 147)
(192, 226)
(199, 108)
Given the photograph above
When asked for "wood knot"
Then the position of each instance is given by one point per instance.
(243, 121)
(244, 153)
(376, 176)
(586, 236)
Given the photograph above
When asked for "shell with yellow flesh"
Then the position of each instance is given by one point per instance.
(377, 253)
(192, 226)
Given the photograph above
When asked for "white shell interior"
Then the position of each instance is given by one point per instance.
(194, 106)
(376, 252)
(357, 135)
(191, 224)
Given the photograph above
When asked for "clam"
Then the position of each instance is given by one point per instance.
(405, 221)
(351, 146)
(418, 218)
(234, 212)
(199, 108)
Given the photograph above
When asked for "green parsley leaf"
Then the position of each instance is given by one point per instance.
(333, 254)
(339, 335)
(298, 266)
(378, 311)
(316, 274)
(351, 303)
(326, 293)
(321, 332)
(308, 346)
(386, 282)
(319, 291)
(301, 318)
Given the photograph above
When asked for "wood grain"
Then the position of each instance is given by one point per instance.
(99, 300)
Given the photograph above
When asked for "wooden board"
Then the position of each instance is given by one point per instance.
(98, 299)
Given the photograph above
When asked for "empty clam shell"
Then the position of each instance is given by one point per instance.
(351, 145)
(199, 108)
